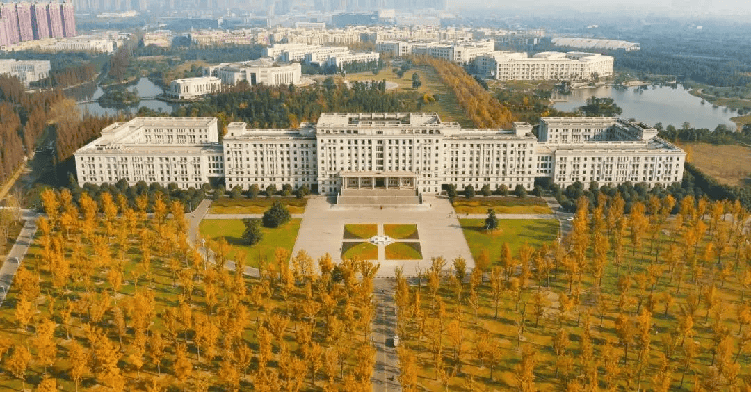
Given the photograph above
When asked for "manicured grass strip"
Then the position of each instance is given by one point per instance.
(514, 232)
(256, 205)
(403, 251)
(480, 205)
(232, 230)
(401, 231)
(360, 231)
(361, 250)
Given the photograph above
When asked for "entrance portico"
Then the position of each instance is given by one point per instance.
(397, 180)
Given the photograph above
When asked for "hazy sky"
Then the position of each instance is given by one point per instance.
(676, 6)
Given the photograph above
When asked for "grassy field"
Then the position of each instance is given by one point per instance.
(360, 231)
(741, 121)
(513, 232)
(445, 103)
(403, 251)
(257, 205)
(508, 204)
(360, 250)
(232, 230)
(401, 231)
(729, 164)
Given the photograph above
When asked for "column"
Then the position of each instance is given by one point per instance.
(373, 182)
(358, 182)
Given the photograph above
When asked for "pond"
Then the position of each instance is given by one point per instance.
(670, 105)
(87, 94)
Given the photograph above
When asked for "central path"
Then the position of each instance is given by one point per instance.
(386, 370)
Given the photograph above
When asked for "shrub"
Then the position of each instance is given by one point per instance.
(469, 191)
(276, 215)
(253, 191)
(252, 233)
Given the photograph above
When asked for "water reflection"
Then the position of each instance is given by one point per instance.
(87, 94)
(666, 104)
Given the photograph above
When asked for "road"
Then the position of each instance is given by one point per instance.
(386, 371)
(15, 257)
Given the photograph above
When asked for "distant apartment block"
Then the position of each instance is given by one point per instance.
(23, 11)
(69, 21)
(260, 71)
(40, 21)
(159, 38)
(25, 70)
(190, 88)
(571, 66)
(56, 20)
(593, 43)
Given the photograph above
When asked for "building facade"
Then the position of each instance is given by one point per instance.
(571, 66)
(163, 150)
(25, 70)
(397, 150)
(190, 88)
(261, 71)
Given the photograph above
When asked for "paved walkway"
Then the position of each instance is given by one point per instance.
(228, 216)
(440, 234)
(384, 328)
(509, 216)
(16, 255)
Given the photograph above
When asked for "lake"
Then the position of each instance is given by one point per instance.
(145, 87)
(653, 104)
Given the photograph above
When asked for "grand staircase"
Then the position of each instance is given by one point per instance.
(379, 197)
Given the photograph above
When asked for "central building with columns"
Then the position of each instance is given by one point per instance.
(418, 151)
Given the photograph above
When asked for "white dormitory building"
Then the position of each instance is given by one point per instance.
(342, 60)
(163, 150)
(545, 66)
(190, 88)
(260, 71)
(25, 70)
(299, 52)
(380, 151)
(462, 52)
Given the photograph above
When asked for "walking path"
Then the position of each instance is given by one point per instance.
(17, 252)
(386, 370)
(228, 216)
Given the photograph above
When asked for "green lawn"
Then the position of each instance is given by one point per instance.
(508, 204)
(401, 231)
(361, 231)
(361, 250)
(232, 230)
(256, 205)
(445, 104)
(403, 251)
(513, 232)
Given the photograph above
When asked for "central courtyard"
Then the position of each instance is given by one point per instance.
(433, 226)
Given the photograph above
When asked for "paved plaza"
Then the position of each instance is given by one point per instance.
(322, 231)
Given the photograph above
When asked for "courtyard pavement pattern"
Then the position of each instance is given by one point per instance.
(322, 230)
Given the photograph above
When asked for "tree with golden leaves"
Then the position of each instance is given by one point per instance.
(18, 362)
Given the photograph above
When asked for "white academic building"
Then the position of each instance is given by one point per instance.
(191, 88)
(411, 151)
(25, 70)
(571, 66)
(260, 71)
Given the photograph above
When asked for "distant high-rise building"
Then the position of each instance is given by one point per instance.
(8, 14)
(56, 21)
(40, 23)
(23, 11)
(69, 19)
